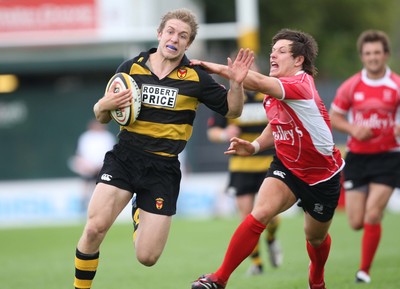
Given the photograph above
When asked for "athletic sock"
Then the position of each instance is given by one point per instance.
(318, 256)
(369, 245)
(85, 269)
(272, 227)
(255, 256)
(240, 247)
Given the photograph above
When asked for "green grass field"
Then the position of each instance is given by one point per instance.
(42, 258)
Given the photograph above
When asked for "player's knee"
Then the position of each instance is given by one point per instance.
(95, 232)
(315, 242)
(373, 217)
(356, 224)
(147, 259)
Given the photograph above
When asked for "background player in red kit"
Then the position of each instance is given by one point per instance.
(370, 100)
(307, 164)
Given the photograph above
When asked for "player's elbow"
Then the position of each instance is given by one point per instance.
(234, 113)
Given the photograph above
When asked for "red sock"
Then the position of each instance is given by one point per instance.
(369, 245)
(240, 247)
(318, 256)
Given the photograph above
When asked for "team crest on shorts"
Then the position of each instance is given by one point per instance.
(159, 203)
(319, 208)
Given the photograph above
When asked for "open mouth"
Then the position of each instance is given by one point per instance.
(172, 47)
(274, 65)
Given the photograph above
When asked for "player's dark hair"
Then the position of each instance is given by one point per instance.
(373, 36)
(303, 44)
(185, 15)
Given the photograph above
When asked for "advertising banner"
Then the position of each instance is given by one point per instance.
(24, 20)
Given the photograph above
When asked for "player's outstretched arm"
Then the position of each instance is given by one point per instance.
(237, 72)
(253, 81)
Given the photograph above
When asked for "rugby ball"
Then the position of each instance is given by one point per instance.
(126, 116)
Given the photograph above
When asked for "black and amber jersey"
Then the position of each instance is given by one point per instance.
(169, 105)
(251, 123)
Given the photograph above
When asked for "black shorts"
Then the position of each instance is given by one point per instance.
(155, 179)
(320, 200)
(244, 183)
(362, 169)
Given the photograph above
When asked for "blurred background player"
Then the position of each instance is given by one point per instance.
(366, 107)
(246, 174)
(88, 159)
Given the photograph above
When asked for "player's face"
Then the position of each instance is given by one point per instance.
(174, 39)
(281, 60)
(374, 58)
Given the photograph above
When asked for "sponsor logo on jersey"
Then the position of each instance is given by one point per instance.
(159, 203)
(286, 135)
(375, 120)
(388, 95)
(267, 103)
(359, 96)
(106, 177)
(181, 73)
(159, 95)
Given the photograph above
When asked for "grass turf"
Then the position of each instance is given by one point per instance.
(44, 257)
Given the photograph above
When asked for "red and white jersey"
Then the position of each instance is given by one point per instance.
(371, 103)
(302, 132)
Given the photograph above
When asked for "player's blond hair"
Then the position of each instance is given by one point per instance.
(186, 16)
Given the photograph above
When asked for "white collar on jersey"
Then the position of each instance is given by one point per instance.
(376, 82)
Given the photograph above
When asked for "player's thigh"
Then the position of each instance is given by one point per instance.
(377, 201)
(273, 198)
(152, 234)
(355, 203)
(106, 204)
